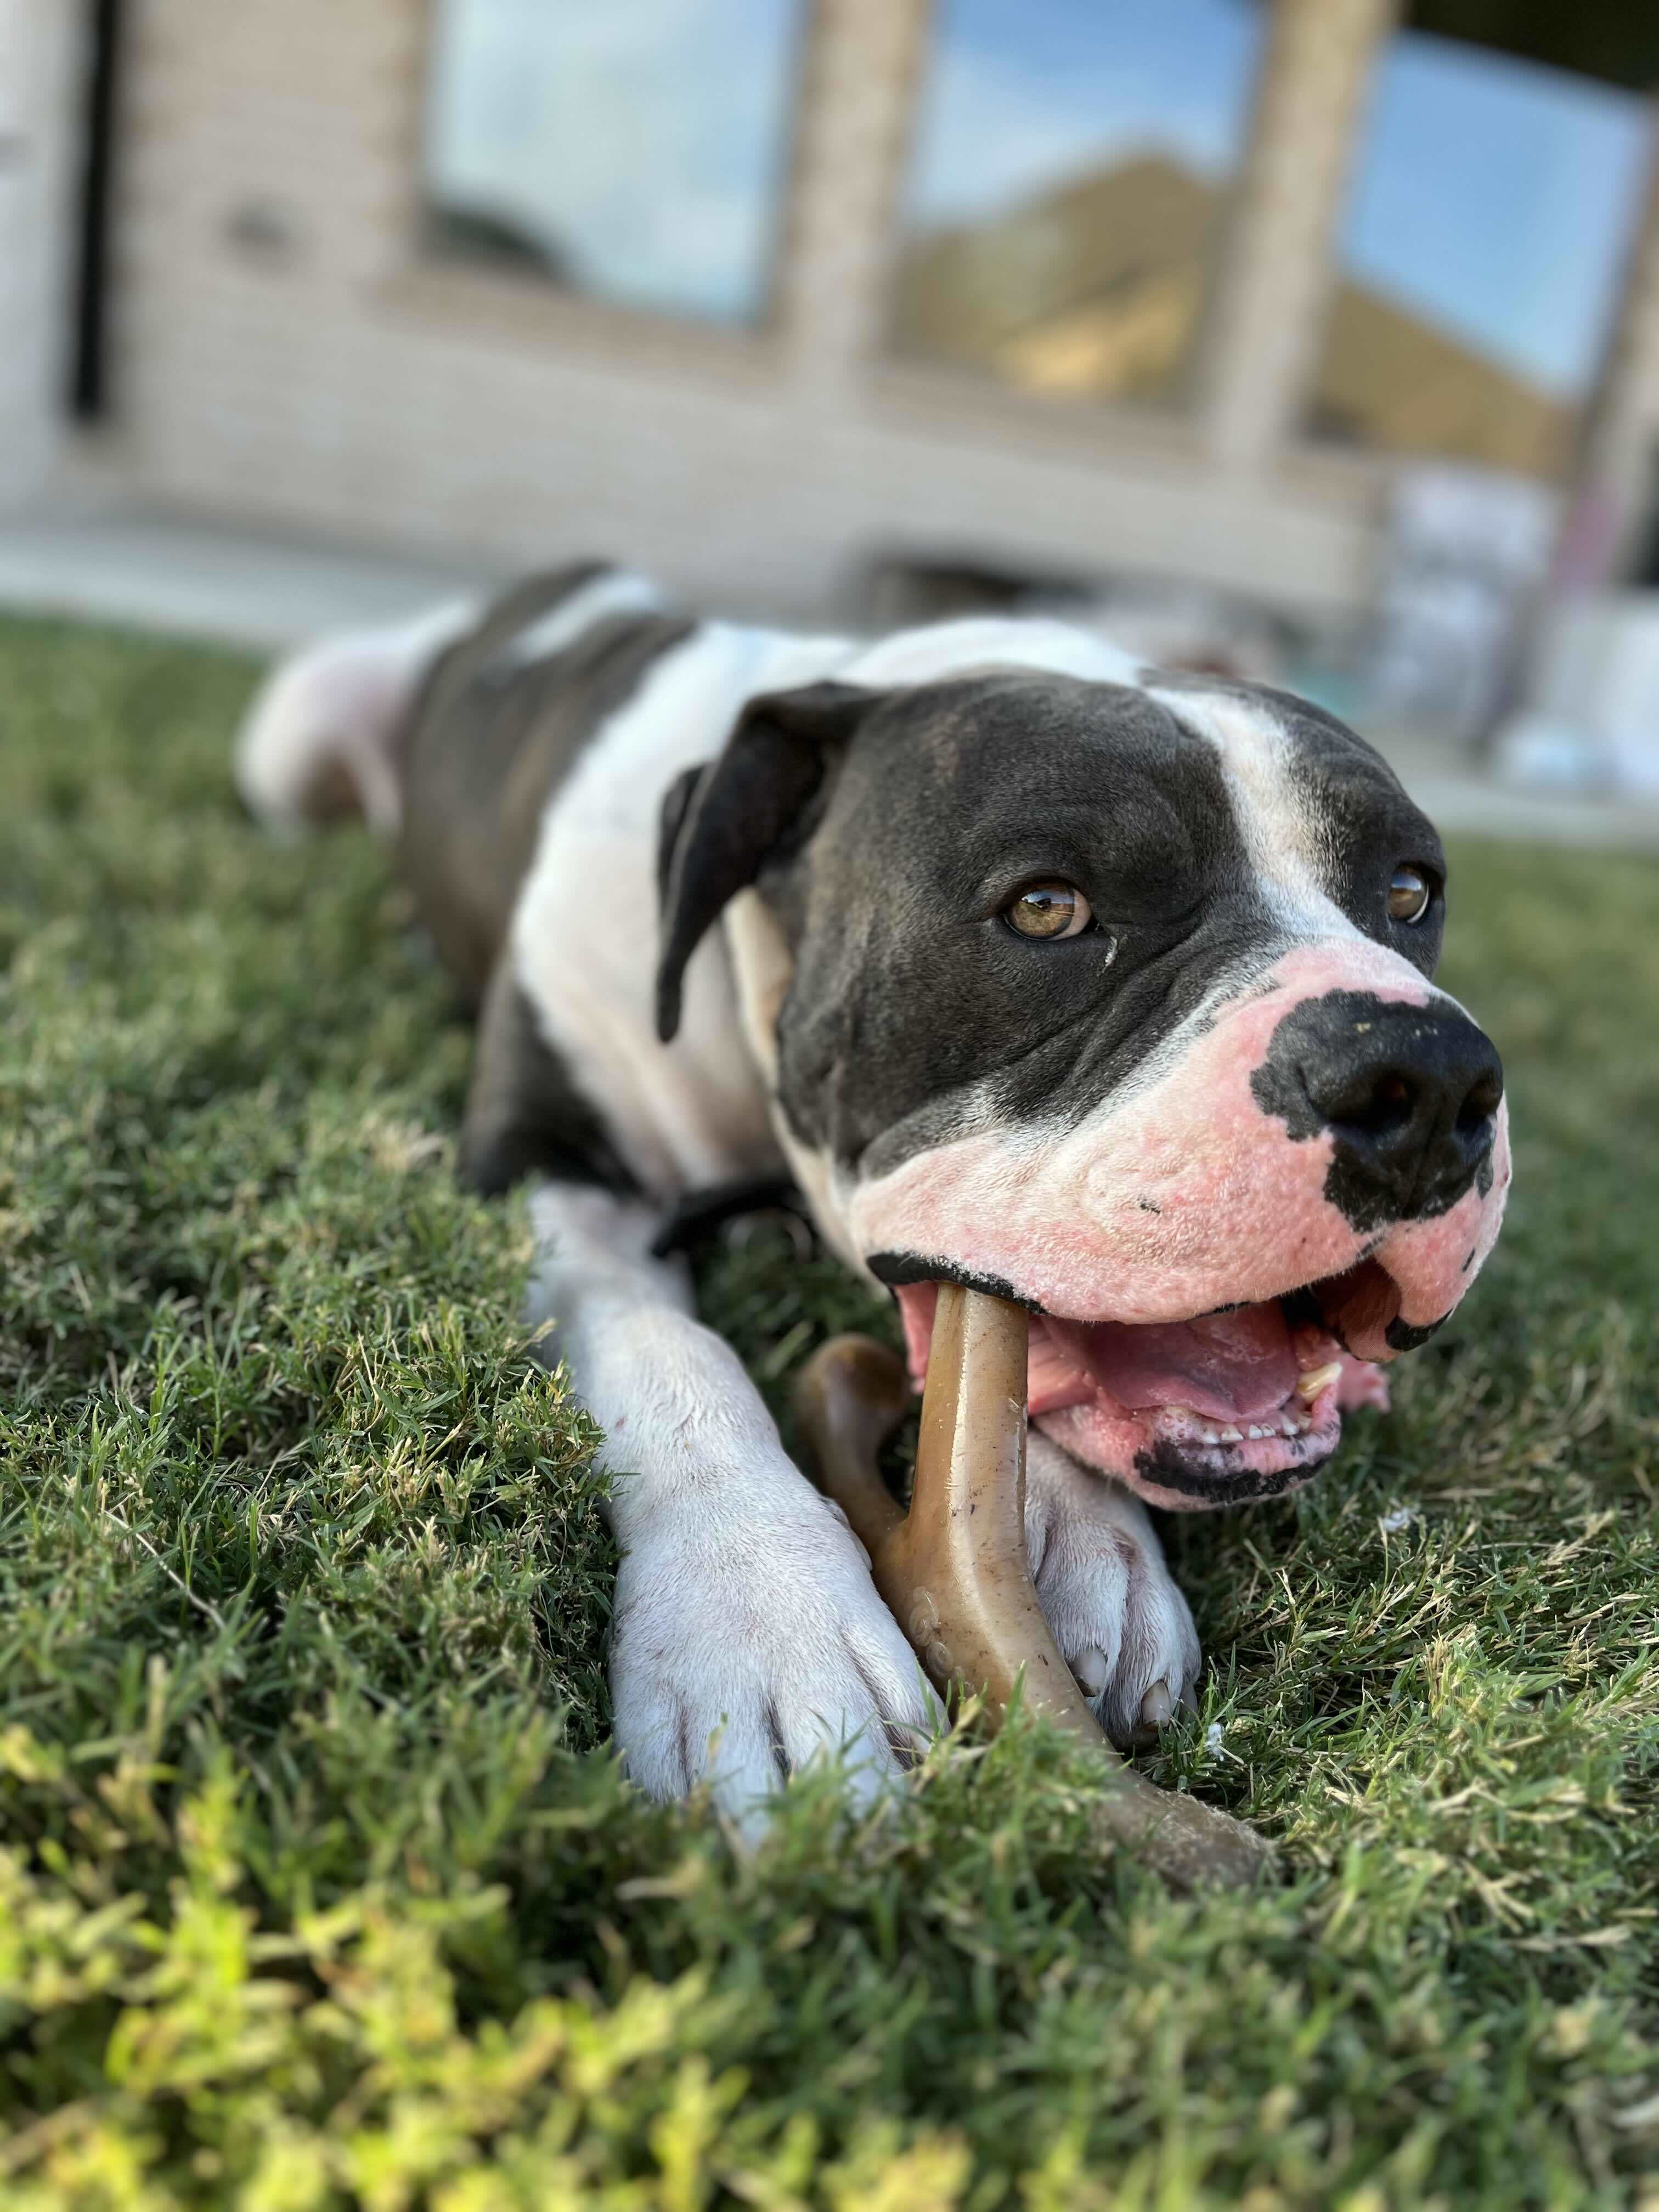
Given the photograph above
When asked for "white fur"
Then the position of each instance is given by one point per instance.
(695, 1112)
(1122, 1627)
(337, 704)
(699, 1111)
(953, 648)
(618, 591)
(1280, 833)
(748, 1638)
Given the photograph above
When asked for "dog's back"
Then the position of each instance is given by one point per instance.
(452, 732)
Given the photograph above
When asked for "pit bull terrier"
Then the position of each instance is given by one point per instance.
(1105, 987)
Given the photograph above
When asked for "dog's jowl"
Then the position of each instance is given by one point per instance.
(1106, 988)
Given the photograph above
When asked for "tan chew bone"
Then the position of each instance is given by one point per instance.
(954, 1570)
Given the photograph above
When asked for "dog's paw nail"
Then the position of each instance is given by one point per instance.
(1156, 1709)
(1092, 1672)
(1189, 1700)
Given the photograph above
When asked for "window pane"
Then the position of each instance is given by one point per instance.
(634, 149)
(1065, 203)
(1481, 254)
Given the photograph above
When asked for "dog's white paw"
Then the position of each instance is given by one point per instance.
(747, 1643)
(1122, 1625)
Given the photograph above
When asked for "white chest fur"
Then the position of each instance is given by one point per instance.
(584, 932)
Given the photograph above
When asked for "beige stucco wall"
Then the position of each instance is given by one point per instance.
(39, 53)
(334, 382)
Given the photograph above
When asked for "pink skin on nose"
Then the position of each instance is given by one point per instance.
(1181, 1197)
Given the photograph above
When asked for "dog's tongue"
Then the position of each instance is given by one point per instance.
(1226, 1366)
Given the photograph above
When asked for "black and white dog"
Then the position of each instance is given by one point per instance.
(1038, 969)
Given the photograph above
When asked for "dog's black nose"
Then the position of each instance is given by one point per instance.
(1409, 1094)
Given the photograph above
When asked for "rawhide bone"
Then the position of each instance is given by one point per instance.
(954, 1570)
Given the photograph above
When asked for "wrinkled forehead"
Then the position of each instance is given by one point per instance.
(1312, 801)
(1236, 778)
(954, 770)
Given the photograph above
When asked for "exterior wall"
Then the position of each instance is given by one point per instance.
(1271, 302)
(39, 50)
(1618, 463)
(285, 355)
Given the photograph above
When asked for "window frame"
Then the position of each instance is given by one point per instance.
(1323, 458)
(527, 303)
(1175, 425)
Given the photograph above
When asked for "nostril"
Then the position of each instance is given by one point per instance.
(1480, 1104)
(1375, 1106)
(1392, 1103)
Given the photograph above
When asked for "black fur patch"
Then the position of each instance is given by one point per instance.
(1370, 826)
(697, 1214)
(722, 825)
(1164, 1466)
(915, 1011)
(524, 1116)
(489, 738)
(1333, 1066)
(1407, 1336)
(896, 1268)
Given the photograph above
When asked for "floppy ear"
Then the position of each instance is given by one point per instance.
(720, 824)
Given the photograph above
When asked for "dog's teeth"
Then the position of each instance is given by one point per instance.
(1316, 1379)
(1257, 1434)
(1210, 1435)
(1231, 1436)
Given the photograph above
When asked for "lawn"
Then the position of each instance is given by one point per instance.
(317, 1884)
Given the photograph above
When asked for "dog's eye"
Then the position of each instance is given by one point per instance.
(1049, 910)
(1409, 894)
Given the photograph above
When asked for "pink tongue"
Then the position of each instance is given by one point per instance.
(1226, 1366)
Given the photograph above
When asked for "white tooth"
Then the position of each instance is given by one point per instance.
(1232, 1436)
(1210, 1435)
(1257, 1434)
(1316, 1379)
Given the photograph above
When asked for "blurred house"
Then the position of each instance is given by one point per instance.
(782, 298)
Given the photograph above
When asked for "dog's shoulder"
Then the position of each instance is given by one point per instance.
(502, 714)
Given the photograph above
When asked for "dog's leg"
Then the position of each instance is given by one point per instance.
(1123, 1626)
(748, 1635)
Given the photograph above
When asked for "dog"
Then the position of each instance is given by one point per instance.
(1105, 987)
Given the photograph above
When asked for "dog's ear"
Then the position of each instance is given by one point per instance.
(721, 824)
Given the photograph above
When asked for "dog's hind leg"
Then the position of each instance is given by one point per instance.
(320, 739)
(749, 1639)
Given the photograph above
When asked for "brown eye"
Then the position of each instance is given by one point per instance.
(1409, 894)
(1049, 910)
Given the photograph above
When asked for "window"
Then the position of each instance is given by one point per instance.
(630, 149)
(1493, 207)
(1064, 205)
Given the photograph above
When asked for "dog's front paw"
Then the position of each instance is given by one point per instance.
(747, 1644)
(1122, 1625)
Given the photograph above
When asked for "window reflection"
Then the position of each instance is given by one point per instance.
(1482, 249)
(1063, 211)
(633, 149)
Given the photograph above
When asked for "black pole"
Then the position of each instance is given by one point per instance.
(89, 392)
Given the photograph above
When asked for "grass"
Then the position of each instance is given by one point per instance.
(317, 1885)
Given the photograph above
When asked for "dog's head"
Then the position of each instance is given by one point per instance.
(1116, 998)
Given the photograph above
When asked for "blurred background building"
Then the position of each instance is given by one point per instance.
(1313, 337)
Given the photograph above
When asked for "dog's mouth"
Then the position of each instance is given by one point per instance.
(1237, 1403)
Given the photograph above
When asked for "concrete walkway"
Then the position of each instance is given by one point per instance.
(238, 587)
(195, 580)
